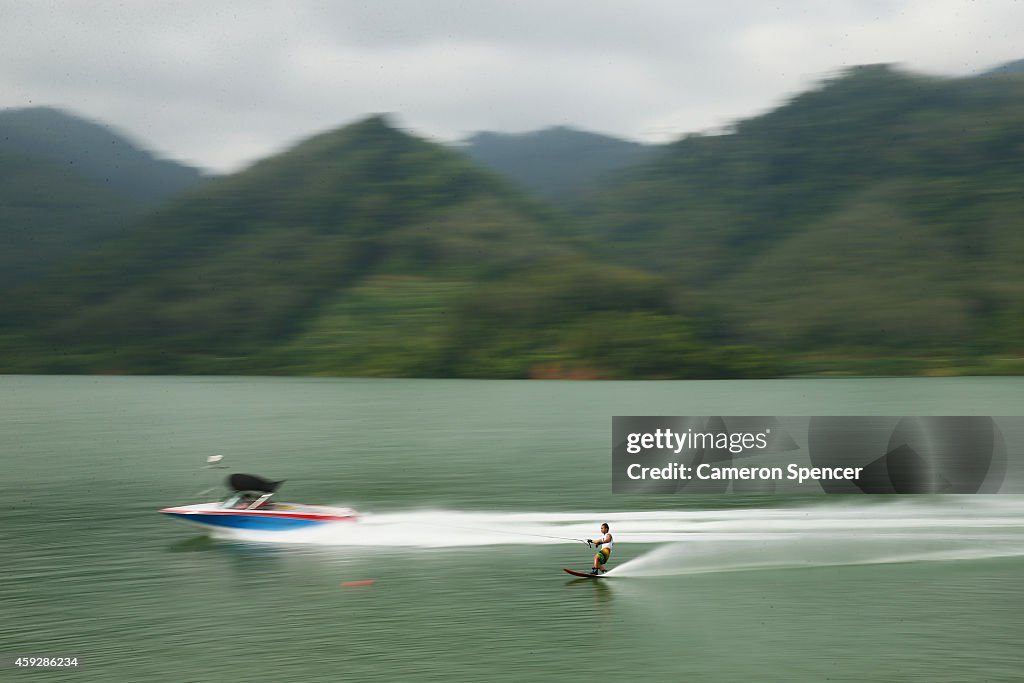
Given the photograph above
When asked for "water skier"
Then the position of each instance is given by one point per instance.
(604, 550)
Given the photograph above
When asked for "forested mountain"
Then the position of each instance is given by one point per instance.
(47, 212)
(557, 163)
(872, 224)
(94, 152)
(1014, 67)
(881, 211)
(360, 251)
(66, 183)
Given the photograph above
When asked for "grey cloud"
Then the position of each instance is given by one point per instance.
(226, 82)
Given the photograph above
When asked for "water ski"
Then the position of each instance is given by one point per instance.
(584, 575)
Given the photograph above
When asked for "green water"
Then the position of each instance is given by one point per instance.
(461, 483)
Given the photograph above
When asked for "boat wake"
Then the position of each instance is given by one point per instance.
(816, 550)
(949, 529)
(694, 541)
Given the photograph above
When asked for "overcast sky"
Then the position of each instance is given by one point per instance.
(220, 84)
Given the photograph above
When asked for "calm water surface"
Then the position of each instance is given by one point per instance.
(463, 484)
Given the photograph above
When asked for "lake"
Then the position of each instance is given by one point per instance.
(472, 492)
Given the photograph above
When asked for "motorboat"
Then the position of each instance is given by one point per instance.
(249, 506)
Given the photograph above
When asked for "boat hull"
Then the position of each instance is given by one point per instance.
(282, 518)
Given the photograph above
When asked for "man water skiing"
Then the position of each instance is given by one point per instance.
(604, 550)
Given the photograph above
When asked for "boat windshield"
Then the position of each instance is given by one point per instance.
(237, 501)
(244, 500)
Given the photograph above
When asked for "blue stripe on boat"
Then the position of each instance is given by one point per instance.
(263, 522)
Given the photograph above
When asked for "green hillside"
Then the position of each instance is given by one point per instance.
(878, 213)
(94, 152)
(874, 224)
(66, 183)
(47, 213)
(362, 251)
(556, 164)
